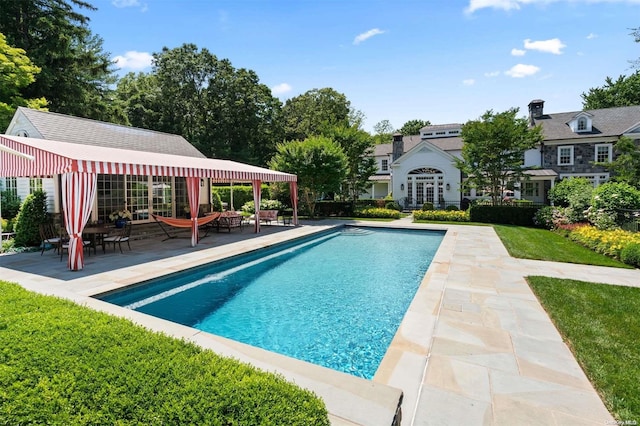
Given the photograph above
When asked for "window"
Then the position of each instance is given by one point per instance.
(603, 153)
(531, 189)
(565, 155)
(385, 165)
(11, 186)
(582, 124)
(35, 184)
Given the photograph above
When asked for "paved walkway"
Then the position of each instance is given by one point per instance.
(475, 347)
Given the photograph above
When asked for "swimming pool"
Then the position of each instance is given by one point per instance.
(334, 299)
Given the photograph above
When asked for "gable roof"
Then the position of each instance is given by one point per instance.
(66, 128)
(445, 144)
(606, 122)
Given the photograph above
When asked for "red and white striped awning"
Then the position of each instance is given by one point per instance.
(54, 157)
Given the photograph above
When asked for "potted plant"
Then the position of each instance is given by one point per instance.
(120, 217)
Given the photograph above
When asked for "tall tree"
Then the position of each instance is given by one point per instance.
(319, 163)
(76, 73)
(412, 127)
(358, 148)
(16, 73)
(315, 111)
(626, 166)
(493, 150)
(383, 132)
(223, 111)
(625, 91)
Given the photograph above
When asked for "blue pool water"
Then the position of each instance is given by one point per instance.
(335, 300)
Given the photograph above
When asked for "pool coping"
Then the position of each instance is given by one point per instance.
(474, 347)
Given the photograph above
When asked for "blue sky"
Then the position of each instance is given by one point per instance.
(397, 60)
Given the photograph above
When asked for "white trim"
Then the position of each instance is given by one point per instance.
(609, 154)
(595, 178)
(571, 148)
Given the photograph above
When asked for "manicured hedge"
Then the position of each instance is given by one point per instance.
(375, 212)
(506, 215)
(64, 364)
(441, 215)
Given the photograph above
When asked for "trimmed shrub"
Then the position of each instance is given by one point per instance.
(631, 254)
(216, 202)
(66, 364)
(507, 215)
(338, 208)
(562, 192)
(33, 212)
(241, 194)
(543, 218)
(393, 205)
(250, 207)
(442, 215)
(378, 213)
(10, 205)
(427, 206)
(451, 207)
(608, 202)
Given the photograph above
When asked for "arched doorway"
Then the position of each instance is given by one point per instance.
(425, 185)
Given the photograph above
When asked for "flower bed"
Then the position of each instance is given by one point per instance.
(616, 243)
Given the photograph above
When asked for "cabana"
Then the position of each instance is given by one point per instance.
(78, 165)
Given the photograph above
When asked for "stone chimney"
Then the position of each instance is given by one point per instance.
(398, 146)
(536, 109)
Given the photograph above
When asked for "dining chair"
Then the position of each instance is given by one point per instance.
(48, 237)
(123, 235)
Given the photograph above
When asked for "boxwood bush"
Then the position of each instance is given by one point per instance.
(64, 364)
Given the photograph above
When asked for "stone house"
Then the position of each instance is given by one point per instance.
(420, 168)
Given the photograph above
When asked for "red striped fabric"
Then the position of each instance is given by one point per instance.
(53, 157)
(193, 193)
(78, 194)
(257, 189)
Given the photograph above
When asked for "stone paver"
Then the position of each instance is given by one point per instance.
(475, 346)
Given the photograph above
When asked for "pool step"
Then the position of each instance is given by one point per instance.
(356, 232)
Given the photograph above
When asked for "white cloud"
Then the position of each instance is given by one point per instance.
(367, 35)
(134, 60)
(495, 4)
(130, 3)
(125, 3)
(492, 74)
(518, 52)
(280, 89)
(515, 4)
(592, 36)
(522, 70)
(553, 45)
(469, 82)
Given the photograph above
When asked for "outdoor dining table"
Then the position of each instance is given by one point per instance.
(96, 235)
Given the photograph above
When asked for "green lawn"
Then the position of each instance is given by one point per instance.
(601, 325)
(64, 364)
(541, 244)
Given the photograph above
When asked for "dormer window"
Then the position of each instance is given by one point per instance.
(22, 133)
(582, 124)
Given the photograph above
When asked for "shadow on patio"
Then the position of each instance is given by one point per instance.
(142, 251)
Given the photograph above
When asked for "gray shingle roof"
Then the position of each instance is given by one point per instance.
(66, 128)
(606, 122)
(445, 144)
